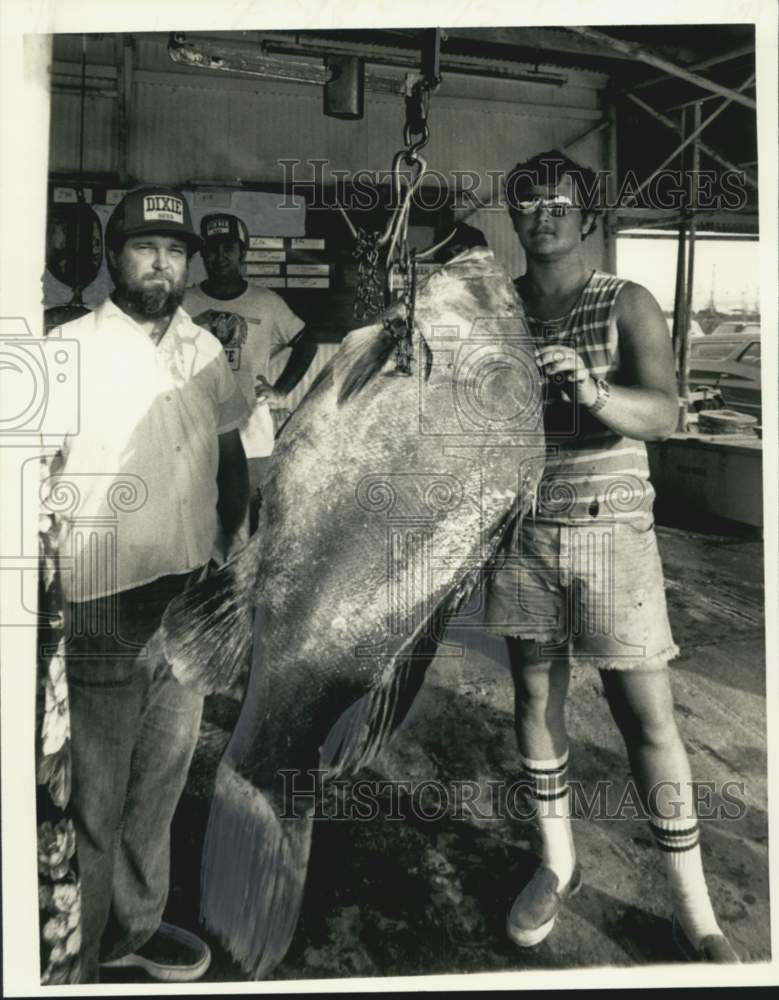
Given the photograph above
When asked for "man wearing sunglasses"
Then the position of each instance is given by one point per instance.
(581, 582)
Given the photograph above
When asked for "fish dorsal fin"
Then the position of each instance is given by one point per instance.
(366, 351)
(363, 354)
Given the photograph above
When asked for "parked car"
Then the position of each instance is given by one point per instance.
(734, 326)
(695, 328)
(730, 362)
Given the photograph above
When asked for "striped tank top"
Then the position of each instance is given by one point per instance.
(592, 474)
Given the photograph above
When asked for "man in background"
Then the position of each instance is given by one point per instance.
(253, 325)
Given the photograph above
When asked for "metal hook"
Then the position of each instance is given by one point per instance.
(401, 155)
(413, 147)
(401, 219)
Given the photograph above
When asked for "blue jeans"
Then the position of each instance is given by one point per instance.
(133, 733)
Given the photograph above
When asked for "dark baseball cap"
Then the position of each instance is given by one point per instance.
(152, 210)
(224, 226)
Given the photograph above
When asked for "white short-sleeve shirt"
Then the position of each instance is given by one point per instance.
(137, 491)
(252, 328)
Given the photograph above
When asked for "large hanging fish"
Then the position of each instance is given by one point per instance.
(387, 497)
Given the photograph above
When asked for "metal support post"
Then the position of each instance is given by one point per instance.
(681, 270)
(684, 342)
(611, 186)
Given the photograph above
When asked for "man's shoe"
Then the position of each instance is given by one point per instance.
(713, 948)
(535, 909)
(171, 955)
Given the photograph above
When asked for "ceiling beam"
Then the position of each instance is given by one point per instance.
(702, 99)
(654, 218)
(239, 57)
(694, 134)
(597, 127)
(639, 52)
(286, 57)
(547, 41)
(743, 50)
(384, 55)
(669, 123)
(729, 237)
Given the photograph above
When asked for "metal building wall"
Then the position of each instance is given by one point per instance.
(65, 128)
(192, 125)
(230, 133)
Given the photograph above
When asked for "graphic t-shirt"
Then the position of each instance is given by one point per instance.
(252, 328)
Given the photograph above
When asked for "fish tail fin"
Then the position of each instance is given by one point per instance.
(363, 354)
(253, 873)
(207, 630)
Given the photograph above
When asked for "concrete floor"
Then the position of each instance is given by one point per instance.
(414, 897)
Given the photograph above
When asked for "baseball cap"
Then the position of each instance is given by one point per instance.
(221, 224)
(152, 210)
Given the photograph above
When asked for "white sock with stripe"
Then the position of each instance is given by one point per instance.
(548, 788)
(679, 844)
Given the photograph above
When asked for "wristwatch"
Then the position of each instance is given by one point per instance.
(604, 391)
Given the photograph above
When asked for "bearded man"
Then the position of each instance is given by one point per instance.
(153, 475)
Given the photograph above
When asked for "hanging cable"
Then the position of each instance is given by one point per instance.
(80, 189)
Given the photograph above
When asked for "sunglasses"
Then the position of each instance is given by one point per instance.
(556, 206)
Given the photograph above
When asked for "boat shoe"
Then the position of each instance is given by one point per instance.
(713, 948)
(535, 909)
(171, 955)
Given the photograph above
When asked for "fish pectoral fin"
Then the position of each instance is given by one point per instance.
(365, 728)
(207, 630)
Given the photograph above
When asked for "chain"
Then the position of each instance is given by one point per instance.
(404, 353)
(369, 298)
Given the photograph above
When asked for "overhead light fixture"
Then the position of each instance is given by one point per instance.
(344, 93)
